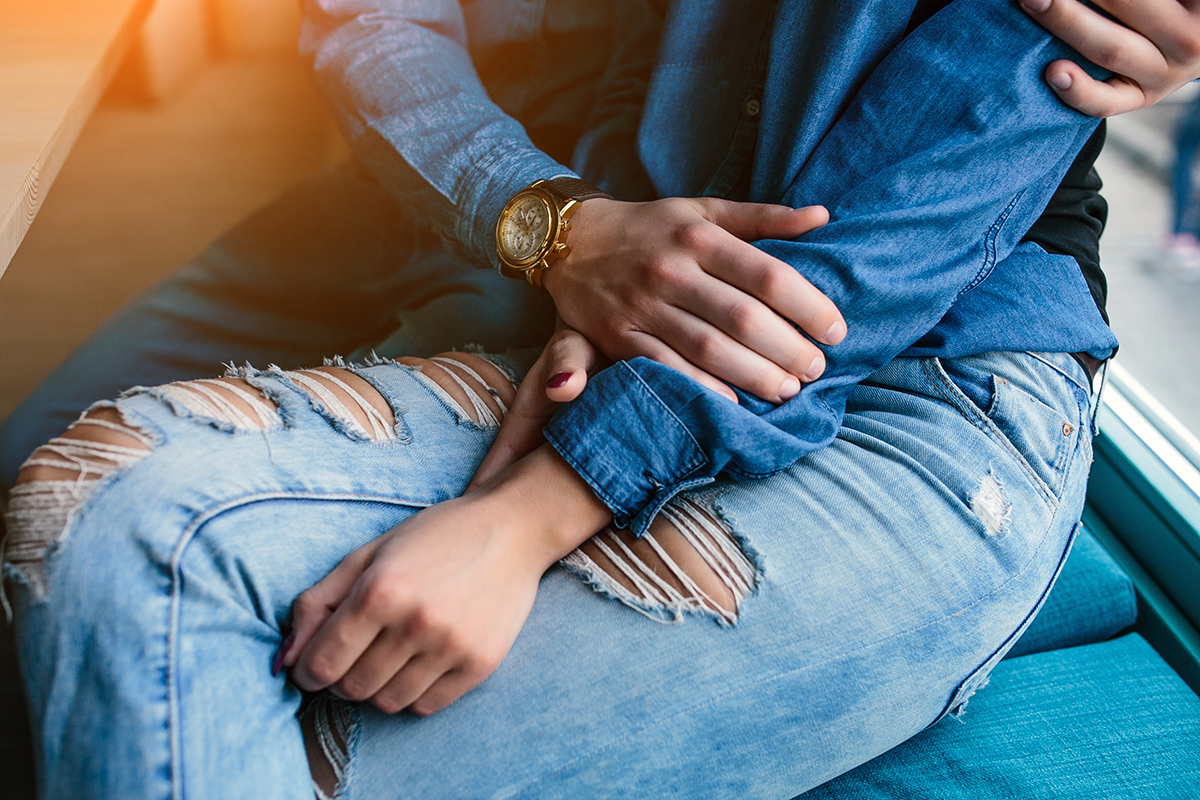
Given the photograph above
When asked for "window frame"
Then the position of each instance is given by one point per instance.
(1143, 506)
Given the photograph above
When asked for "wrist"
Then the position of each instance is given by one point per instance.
(545, 506)
(588, 224)
(532, 229)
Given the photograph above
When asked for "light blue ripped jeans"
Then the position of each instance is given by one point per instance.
(889, 573)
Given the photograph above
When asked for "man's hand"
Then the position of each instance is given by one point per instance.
(676, 280)
(1155, 52)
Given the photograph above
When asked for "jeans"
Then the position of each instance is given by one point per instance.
(891, 571)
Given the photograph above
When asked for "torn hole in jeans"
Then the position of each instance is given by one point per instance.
(55, 482)
(330, 727)
(688, 562)
(474, 387)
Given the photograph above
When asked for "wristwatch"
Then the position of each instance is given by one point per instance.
(532, 227)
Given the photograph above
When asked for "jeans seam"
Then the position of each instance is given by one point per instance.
(778, 676)
(186, 536)
(965, 407)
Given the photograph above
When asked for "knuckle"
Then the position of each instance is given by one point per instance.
(454, 646)
(1111, 55)
(655, 267)
(709, 348)
(386, 703)
(774, 281)
(427, 625)
(481, 664)
(306, 605)
(323, 671)
(353, 688)
(381, 599)
(1189, 45)
(743, 320)
(694, 236)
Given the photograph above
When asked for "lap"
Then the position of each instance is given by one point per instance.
(891, 569)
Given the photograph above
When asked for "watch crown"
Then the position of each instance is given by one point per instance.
(566, 224)
(562, 250)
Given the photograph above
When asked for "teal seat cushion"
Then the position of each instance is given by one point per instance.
(1093, 600)
(1108, 720)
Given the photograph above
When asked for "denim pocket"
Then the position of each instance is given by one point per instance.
(1040, 433)
(1036, 435)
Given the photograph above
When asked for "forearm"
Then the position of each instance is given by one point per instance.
(403, 89)
(932, 176)
(545, 505)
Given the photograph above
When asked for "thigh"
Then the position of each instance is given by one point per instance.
(158, 546)
(891, 571)
(335, 265)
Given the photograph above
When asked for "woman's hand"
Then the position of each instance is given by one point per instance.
(558, 376)
(676, 280)
(1155, 52)
(424, 613)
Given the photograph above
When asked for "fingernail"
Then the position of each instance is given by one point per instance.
(815, 368)
(1060, 81)
(789, 389)
(1036, 6)
(559, 380)
(836, 332)
(282, 653)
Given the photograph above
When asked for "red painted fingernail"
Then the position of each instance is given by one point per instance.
(559, 380)
(282, 653)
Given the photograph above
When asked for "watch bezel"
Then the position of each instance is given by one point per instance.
(553, 231)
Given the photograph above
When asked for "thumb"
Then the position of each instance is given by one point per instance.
(558, 377)
(753, 221)
(1089, 96)
(569, 359)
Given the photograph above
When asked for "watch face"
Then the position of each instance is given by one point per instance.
(525, 227)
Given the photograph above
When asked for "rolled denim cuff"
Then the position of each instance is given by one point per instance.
(629, 446)
(492, 183)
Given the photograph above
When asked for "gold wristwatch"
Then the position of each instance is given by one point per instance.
(532, 227)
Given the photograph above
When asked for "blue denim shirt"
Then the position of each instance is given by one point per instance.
(935, 151)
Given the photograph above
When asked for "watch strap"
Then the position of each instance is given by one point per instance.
(575, 189)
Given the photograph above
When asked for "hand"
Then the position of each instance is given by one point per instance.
(675, 280)
(1158, 51)
(420, 616)
(558, 376)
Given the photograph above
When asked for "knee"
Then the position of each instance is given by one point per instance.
(58, 478)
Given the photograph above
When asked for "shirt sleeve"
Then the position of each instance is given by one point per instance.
(939, 166)
(404, 91)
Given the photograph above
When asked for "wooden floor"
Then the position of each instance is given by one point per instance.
(143, 190)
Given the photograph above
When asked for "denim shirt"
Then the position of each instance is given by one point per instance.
(935, 150)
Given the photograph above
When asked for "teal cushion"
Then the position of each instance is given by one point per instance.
(1093, 600)
(1107, 720)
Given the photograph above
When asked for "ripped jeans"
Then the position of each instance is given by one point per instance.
(877, 583)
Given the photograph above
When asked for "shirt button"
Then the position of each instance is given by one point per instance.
(752, 107)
